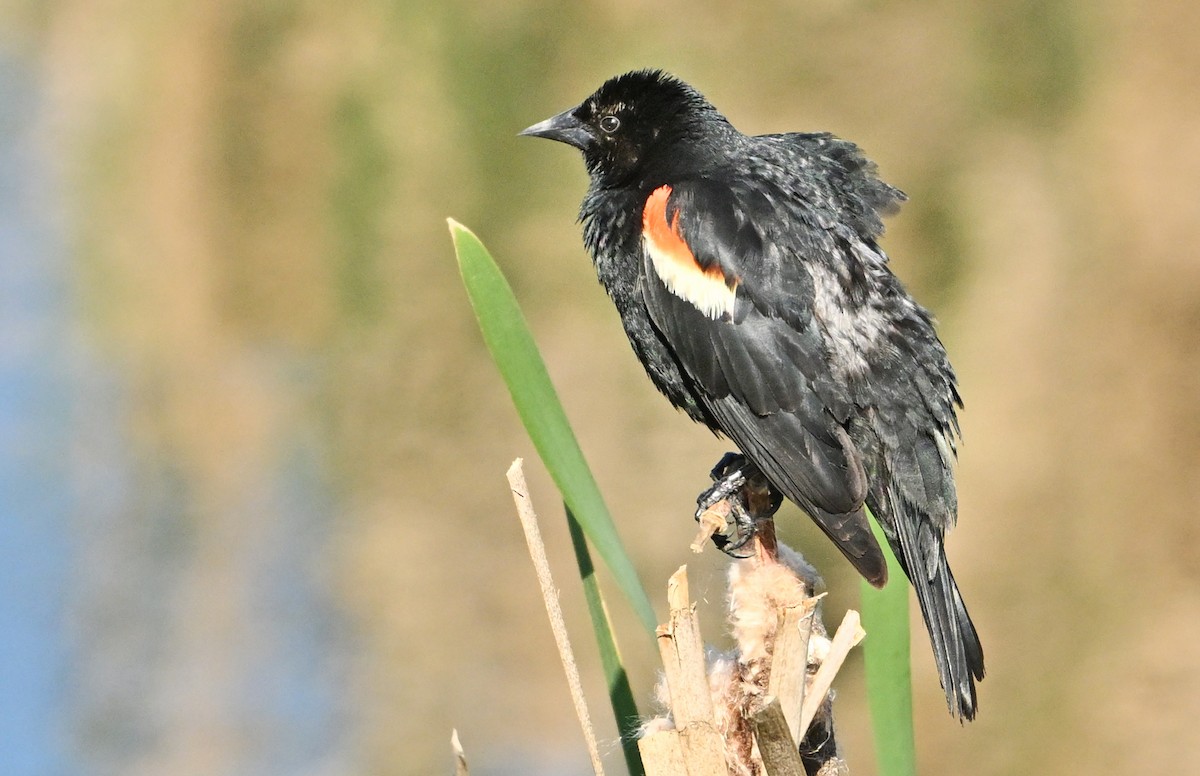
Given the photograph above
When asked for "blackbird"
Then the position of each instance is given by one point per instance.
(749, 279)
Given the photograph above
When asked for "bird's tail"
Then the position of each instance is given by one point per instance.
(956, 648)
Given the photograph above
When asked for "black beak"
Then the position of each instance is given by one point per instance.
(564, 128)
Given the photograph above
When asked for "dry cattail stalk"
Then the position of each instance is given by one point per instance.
(755, 693)
(537, 553)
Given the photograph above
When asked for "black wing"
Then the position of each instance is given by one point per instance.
(727, 291)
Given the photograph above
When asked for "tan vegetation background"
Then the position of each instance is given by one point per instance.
(271, 337)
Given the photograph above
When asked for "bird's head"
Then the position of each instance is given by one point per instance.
(640, 125)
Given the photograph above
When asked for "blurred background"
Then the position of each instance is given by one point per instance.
(253, 516)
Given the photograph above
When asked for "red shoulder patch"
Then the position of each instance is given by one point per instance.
(705, 288)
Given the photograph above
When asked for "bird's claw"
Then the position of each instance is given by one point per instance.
(730, 477)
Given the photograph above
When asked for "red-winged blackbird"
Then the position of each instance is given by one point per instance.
(749, 278)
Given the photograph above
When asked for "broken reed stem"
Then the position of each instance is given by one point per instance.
(460, 757)
(789, 662)
(849, 634)
(778, 749)
(789, 657)
(712, 521)
(537, 552)
(682, 649)
(662, 753)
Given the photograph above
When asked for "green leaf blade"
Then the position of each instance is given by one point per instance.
(508, 338)
(620, 693)
(888, 667)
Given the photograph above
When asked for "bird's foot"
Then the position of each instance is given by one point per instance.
(739, 496)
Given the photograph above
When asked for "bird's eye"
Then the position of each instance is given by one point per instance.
(610, 124)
